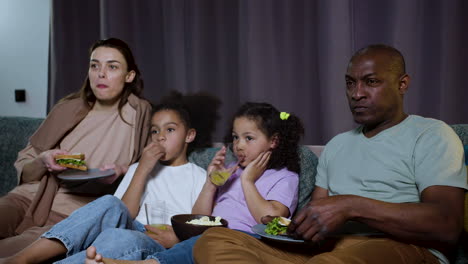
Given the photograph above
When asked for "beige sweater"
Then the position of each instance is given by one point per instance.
(61, 120)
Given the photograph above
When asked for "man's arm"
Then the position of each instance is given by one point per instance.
(438, 218)
(318, 193)
(436, 221)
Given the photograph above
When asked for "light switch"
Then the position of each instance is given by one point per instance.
(20, 95)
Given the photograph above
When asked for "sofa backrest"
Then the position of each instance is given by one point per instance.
(308, 163)
(462, 132)
(15, 133)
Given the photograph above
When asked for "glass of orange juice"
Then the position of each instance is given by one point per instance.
(157, 214)
(219, 177)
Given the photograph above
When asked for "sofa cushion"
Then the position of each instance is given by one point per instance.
(466, 155)
(15, 132)
(308, 163)
(462, 132)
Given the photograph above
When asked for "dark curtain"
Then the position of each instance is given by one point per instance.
(292, 54)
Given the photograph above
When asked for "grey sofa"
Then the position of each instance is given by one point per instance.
(15, 133)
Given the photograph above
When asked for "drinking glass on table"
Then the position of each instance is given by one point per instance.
(157, 214)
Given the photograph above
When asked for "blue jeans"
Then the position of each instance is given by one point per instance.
(106, 224)
(181, 253)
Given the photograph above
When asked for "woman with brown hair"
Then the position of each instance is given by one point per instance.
(107, 120)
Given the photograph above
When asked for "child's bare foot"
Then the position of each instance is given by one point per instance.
(92, 257)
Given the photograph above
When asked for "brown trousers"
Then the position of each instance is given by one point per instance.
(13, 207)
(222, 245)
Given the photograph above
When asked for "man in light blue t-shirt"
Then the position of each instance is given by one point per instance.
(399, 177)
(400, 174)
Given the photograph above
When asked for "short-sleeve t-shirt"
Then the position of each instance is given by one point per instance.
(273, 185)
(396, 165)
(178, 186)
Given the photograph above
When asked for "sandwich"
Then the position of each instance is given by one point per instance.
(73, 161)
(277, 226)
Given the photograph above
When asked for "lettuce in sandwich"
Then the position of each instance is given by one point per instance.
(277, 226)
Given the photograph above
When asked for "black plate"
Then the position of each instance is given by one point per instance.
(259, 229)
(78, 175)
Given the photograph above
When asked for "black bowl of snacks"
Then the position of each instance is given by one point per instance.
(188, 225)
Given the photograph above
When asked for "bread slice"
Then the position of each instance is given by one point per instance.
(284, 221)
(73, 166)
(78, 156)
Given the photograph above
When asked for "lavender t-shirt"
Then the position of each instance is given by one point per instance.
(278, 185)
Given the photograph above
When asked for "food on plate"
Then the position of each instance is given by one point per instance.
(277, 226)
(205, 221)
(74, 161)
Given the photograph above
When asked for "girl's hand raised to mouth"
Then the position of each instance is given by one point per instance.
(256, 168)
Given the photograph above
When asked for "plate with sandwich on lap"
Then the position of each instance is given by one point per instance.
(276, 230)
(78, 170)
(79, 175)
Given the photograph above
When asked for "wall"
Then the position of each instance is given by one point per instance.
(24, 48)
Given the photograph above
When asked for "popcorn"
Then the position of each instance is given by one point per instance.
(205, 221)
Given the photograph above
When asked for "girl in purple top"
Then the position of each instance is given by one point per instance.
(265, 142)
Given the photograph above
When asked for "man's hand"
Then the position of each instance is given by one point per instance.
(167, 238)
(321, 217)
